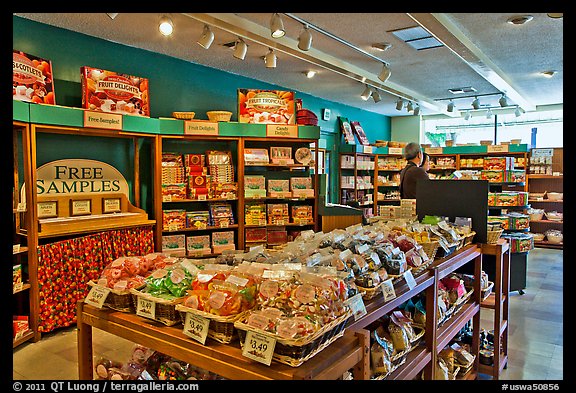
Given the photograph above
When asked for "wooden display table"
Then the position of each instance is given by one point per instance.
(225, 360)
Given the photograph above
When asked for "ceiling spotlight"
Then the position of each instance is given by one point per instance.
(520, 19)
(240, 49)
(305, 39)
(363, 79)
(270, 59)
(556, 16)
(489, 113)
(417, 110)
(277, 26)
(376, 96)
(409, 107)
(450, 107)
(399, 104)
(366, 93)
(476, 103)
(517, 112)
(166, 26)
(385, 73)
(548, 74)
(468, 115)
(382, 46)
(112, 15)
(310, 74)
(207, 38)
(503, 101)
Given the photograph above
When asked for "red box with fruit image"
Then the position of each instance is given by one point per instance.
(32, 79)
(112, 92)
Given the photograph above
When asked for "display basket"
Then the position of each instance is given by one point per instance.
(164, 310)
(219, 115)
(399, 358)
(454, 308)
(430, 248)
(119, 300)
(485, 292)
(493, 236)
(397, 277)
(183, 115)
(295, 352)
(452, 247)
(469, 238)
(220, 328)
(370, 293)
(416, 271)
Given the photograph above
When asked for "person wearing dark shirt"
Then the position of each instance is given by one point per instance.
(412, 173)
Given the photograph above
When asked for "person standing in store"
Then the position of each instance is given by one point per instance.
(412, 172)
(425, 162)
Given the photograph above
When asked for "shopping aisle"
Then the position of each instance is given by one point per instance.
(535, 341)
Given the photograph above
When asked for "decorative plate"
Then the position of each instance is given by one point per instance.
(303, 155)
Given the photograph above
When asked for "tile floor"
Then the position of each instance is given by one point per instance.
(535, 336)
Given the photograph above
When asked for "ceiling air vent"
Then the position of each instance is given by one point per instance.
(417, 37)
(462, 90)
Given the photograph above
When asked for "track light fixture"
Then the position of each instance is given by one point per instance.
(376, 96)
(166, 26)
(240, 49)
(450, 107)
(503, 101)
(518, 112)
(468, 115)
(277, 26)
(399, 104)
(417, 110)
(489, 113)
(409, 107)
(476, 103)
(112, 15)
(310, 74)
(270, 59)
(385, 73)
(366, 93)
(207, 38)
(305, 39)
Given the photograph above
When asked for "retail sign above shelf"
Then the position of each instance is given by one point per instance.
(348, 148)
(200, 128)
(478, 149)
(110, 121)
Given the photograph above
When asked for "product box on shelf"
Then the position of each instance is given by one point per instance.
(256, 235)
(360, 134)
(20, 325)
(516, 175)
(222, 241)
(507, 198)
(256, 156)
(503, 220)
(518, 221)
(302, 214)
(498, 163)
(266, 106)
(173, 220)
(279, 188)
(301, 187)
(255, 214)
(174, 244)
(32, 79)
(277, 213)
(16, 277)
(197, 219)
(225, 190)
(494, 176)
(277, 237)
(113, 92)
(173, 192)
(198, 245)
(254, 186)
(221, 214)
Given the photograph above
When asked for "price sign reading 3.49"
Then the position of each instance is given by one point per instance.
(196, 327)
(97, 296)
(259, 347)
(146, 308)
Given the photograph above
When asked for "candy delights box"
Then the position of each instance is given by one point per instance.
(113, 92)
(32, 79)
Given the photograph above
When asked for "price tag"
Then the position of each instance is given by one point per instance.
(356, 304)
(388, 290)
(202, 197)
(395, 150)
(167, 198)
(367, 149)
(196, 327)
(259, 347)
(97, 296)
(146, 308)
(18, 287)
(280, 222)
(172, 227)
(362, 249)
(410, 279)
(224, 224)
(21, 207)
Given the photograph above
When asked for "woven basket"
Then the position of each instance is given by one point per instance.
(430, 248)
(219, 115)
(165, 310)
(119, 300)
(485, 292)
(294, 352)
(422, 268)
(370, 293)
(493, 236)
(183, 115)
(220, 328)
(469, 238)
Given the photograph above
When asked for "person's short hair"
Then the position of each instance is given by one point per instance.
(411, 150)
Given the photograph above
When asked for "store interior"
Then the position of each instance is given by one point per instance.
(228, 155)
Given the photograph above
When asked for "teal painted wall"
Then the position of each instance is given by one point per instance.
(205, 89)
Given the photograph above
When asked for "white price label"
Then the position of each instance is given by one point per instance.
(497, 149)
(196, 327)
(172, 227)
(388, 290)
(367, 149)
(224, 224)
(362, 249)
(356, 304)
(21, 207)
(259, 347)
(410, 279)
(202, 197)
(146, 308)
(97, 296)
(17, 287)
(167, 198)
(395, 150)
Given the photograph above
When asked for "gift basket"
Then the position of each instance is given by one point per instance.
(304, 312)
(222, 296)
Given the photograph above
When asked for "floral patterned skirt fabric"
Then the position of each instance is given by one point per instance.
(66, 267)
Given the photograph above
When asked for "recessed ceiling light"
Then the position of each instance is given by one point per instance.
(548, 74)
(382, 46)
(461, 90)
(520, 19)
(556, 16)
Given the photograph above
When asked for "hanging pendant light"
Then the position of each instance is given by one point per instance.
(305, 39)
(409, 107)
(417, 110)
(240, 49)
(366, 93)
(376, 96)
(277, 26)
(399, 104)
(270, 59)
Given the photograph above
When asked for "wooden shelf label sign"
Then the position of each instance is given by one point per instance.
(367, 149)
(497, 149)
(200, 128)
(409, 277)
(433, 150)
(196, 327)
(146, 308)
(110, 121)
(259, 347)
(395, 150)
(97, 296)
(281, 131)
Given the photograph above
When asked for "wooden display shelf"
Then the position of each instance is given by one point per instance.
(486, 369)
(225, 360)
(490, 301)
(21, 340)
(547, 244)
(415, 362)
(544, 201)
(24, 287)
(548, 222)
(22, 250)
(208, 228)
(201, 200)
(295, 199)
(451, 327)
(560, 177)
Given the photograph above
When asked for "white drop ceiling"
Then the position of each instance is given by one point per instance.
(480, 50)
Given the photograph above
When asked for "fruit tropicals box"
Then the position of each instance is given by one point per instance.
(113, 92)
(32, 79)
(266, 106)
